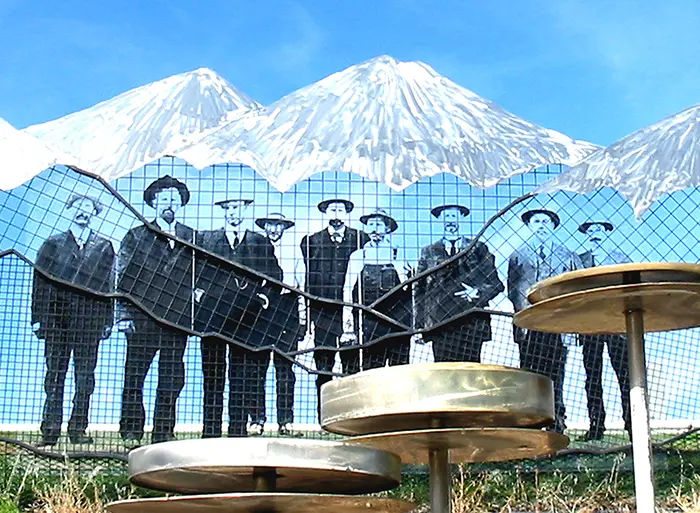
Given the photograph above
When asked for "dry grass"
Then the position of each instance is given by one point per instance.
(70, 495)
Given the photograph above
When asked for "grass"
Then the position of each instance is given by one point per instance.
(570, 484)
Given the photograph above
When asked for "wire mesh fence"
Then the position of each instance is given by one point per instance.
(175, 303)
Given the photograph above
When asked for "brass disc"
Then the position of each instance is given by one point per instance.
(223, 465)
(467, 445)
(261, 503)
(436, 395)
(613, 276)
(666, 306)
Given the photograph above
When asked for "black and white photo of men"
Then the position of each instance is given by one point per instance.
(286, 311)
(70, 320)
(541, 257)
(230, 302)
(470, 281)
(373, 271)
(598, 253)
(155, 271)
(326, 254)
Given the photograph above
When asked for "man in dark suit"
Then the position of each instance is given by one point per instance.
(155, 272)
(286, 309)
(72, 320)
(593, 345)
(326, 255)
(539, 258)
(469, 281)
(231, 302)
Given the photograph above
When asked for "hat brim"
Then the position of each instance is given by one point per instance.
(439, 210)
(349, 205)
(263, 220)
(99, 207)
(553, 216)
(223, 203)
(585, 226)
(166, 182)
(390, 221)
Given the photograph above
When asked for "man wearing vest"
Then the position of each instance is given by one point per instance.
(593, 345)
(539, 258)
(326, 255)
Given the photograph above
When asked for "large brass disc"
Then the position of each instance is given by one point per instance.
(614, 276)
(666, 306)
(467, 445)
(436, 395)
(261, 503)
(223, 465)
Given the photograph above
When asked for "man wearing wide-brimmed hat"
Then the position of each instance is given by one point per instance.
(287, 308)
(541, 257)
(231, 302)
(598, 253)
(469, 281)
(373, 271)
(326, 255)
(155, 273)
(72, 320)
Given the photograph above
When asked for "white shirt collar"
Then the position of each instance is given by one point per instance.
(80, 234)
(332, 231)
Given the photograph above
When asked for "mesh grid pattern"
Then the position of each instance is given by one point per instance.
(121, 328)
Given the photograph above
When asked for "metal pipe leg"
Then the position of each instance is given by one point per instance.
(440, 481)
(641, 437)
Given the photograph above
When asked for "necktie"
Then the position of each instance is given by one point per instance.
(337, 238)
(592, 260)
(453, 248)
(236, 241)
(542, 255)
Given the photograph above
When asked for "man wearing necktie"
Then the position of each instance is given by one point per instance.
(326, 255)
(470, 281)
(229, 304)
(539, 258)
(72, 320)
(598, 254)
(155, 273)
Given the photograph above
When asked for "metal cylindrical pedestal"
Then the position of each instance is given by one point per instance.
(440, 481)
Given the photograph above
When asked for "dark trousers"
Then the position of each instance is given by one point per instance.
(148, 339)
(59, 345)
(461, 343)
(328, 327)
(285, 380)
(246, 374)
(392, 351)
(593, 346)
(545, 354)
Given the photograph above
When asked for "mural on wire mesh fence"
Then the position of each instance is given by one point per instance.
(175, 303)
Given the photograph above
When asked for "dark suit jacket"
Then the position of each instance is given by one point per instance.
(327, 262)
(91, 267)
(157, 278)
(230, 305)
(435, 299)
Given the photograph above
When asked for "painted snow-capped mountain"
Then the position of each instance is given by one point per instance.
(120, 135)
(643, 166)
(388, 121)
(23, 156)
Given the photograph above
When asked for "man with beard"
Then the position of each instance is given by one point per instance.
(241, 294)
(470, 281)
(326, 254)
(539, 258)
(286, 310)
(155, 273)
(593, 345)
(72, 320)
(373, 271)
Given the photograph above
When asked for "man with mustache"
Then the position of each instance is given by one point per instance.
(231, 302)
(72, 320)
(326, 255)
(373, 271)
(469, 281)
(155, 272)
(539, 258)
(598, 254)
(287, 310)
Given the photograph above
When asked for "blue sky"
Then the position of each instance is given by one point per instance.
(594, 69)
